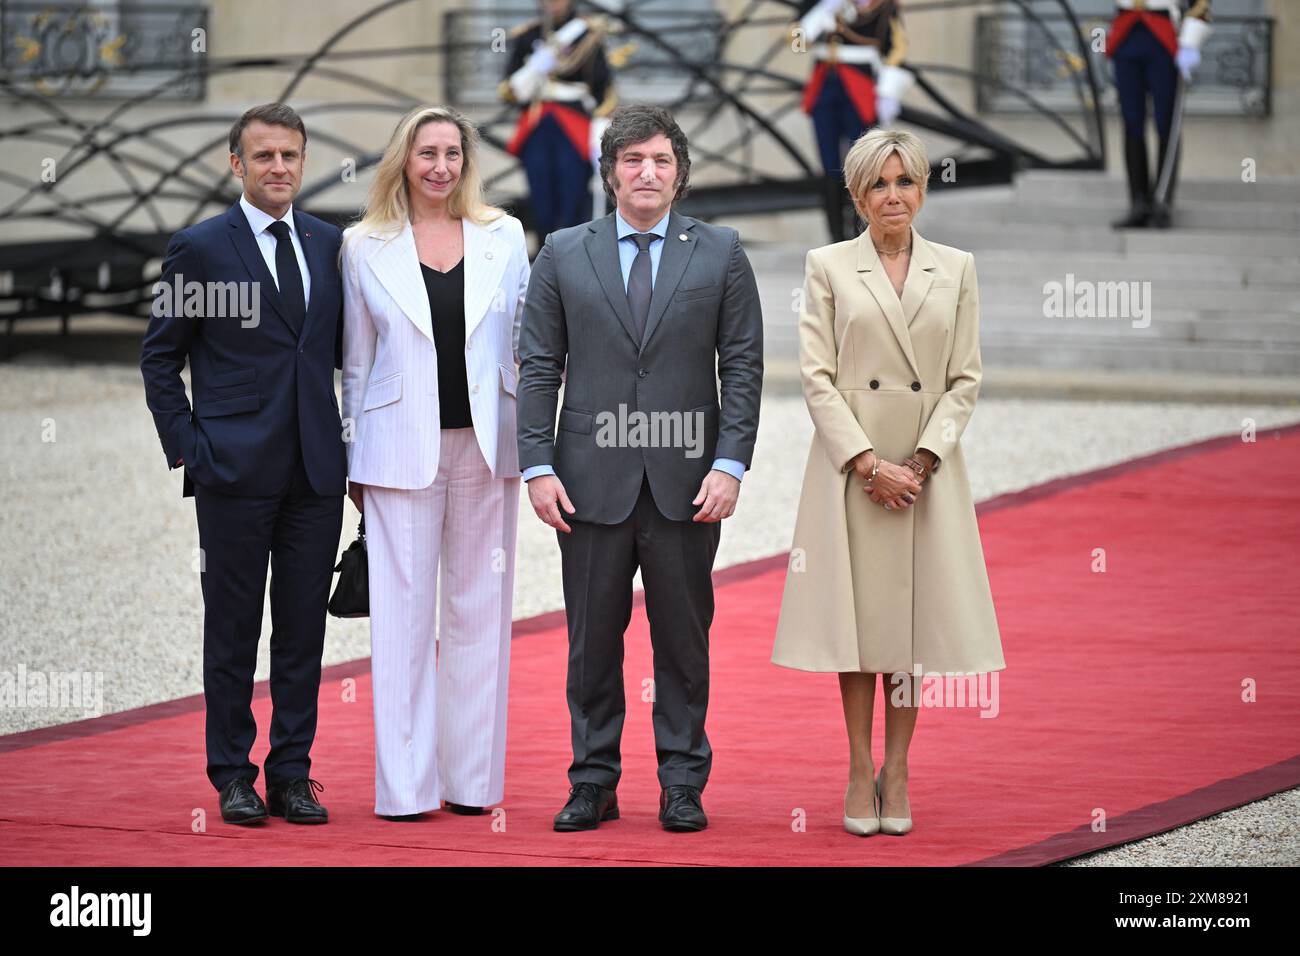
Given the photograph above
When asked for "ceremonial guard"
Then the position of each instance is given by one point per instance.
(858, 83)
(1156, 46)
(559, 74)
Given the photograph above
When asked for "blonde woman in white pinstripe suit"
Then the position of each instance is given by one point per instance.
(433, 283)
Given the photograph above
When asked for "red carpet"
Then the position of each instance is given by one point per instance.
(1123, 694)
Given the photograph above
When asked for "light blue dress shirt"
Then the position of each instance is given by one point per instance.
(627, 252)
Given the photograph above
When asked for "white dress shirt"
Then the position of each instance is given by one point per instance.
(258, 221)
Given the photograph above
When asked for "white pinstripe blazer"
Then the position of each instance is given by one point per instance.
(390, 365)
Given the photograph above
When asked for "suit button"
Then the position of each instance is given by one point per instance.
(916, 386)
(641, 373)
(875, 383)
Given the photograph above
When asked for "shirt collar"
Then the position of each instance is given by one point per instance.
(258, 220)
(660, 228)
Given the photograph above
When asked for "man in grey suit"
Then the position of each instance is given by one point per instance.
(650, 309)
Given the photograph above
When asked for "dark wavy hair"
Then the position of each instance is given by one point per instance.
(272, 114)
(637, 123)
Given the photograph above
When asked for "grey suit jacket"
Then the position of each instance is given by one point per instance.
(705, 324)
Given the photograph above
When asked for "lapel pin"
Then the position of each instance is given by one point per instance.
(307, 234)
(683, 237)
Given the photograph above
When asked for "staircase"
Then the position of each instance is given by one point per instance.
(1222, 288)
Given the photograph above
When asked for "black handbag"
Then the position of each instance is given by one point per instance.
(352, 594)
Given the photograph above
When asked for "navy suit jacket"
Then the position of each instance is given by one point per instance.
(262, 391)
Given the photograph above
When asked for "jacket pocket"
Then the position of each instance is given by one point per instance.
(229, 406)
(240, 376)
(508, 381)
(703, 292)
(572, 420)
(383, 392)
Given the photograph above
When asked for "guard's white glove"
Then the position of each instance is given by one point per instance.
(542, 60)
(886, 110)
(1191, 37)
(820, 19)
(525, 84)
(1188, 59)
(598, 126)
(892, 85)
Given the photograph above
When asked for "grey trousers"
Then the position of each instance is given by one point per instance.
(676, 561)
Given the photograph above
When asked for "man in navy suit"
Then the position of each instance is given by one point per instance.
(251, 299)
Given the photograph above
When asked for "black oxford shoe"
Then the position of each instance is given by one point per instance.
(588, 805)
(240, 803)
(296, 802)
(679, 808)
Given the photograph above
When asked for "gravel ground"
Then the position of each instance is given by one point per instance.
(98, 574)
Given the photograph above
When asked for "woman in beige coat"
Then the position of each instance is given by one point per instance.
(886, 570)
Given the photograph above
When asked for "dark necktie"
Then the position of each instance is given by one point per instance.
(288, 276)
(639, 283)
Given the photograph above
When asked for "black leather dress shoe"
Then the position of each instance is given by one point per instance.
(1139, 217)
(679, 808)
(240, 803)
(1161, 218)
(464, 810)
(588, 805)
(296, 802)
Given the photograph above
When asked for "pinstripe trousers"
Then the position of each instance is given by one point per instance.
(440, 706)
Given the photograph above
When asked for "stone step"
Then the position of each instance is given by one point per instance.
(1124, 354)
(1165, 358)
(1262, 336)
(1229, 303)
(1055, 239)
(1182, 272)
(1225, 284)
(1223, 217)
(1260, 333)
(781, 377)
(1027, 297)
(1048, 186)
(782, 266)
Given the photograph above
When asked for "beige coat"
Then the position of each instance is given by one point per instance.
(868, 589)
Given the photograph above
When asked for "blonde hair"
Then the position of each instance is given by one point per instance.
(388, 204)
(868, 155)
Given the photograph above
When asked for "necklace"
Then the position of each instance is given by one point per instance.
(892, 252)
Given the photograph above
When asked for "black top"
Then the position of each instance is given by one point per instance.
(447, 308)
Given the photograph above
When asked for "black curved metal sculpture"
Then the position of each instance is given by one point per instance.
(716, 92)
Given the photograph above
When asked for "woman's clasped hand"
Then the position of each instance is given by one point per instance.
(893, 487)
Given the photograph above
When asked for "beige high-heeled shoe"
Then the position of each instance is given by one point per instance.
(894, 826)
(863, 826)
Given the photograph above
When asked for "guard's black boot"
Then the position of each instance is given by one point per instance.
(1139, 185)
